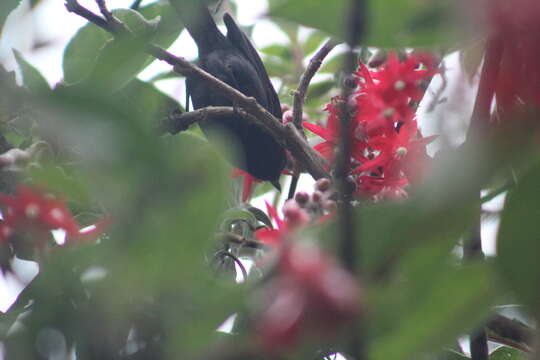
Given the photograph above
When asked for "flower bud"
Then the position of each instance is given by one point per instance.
(378, 59)
(294, 214)
(301, 198)
(323, 185)
(287, 116)
(317, 196)
(350, 81)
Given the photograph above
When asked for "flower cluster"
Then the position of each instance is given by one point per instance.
(388, 151)
(309, 296)
(31, 211)
(298, 212)
(295, 217)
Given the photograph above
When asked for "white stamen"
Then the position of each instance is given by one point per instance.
(389, 112)
(399, 85)
(401, 151)
(360, 132)
(32, 210)
(57, 214)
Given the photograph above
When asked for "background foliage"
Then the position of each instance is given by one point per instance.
(153, 284)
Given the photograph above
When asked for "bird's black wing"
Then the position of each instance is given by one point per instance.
(240, 40)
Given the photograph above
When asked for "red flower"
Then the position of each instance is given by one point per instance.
(311, 295)
(330, 133)
(387, 149)
(249, 180)
(398, 82)
(294, 218)
(35, 212)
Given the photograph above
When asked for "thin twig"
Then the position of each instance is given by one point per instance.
(309, 158)
(105, 12)
(74, 7)
(181, 121)
(300, 93)
(300, 96)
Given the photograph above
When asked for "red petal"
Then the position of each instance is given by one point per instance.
(318, 130)
(274, 215)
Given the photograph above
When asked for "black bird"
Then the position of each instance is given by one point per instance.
(234, 60)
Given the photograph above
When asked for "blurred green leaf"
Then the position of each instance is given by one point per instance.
(6, 7)
(319, 89)
(122, 58)
(314, 41)
(146, 99)
(278, 67)
(280, 51)
(261, 216)
(53, 178)
(85, 47)
(389, 231)
(32, 78)
(451, 355)
(517, 241)
(81, 52)
(420, 23)
(238, 214)
(507, 353)
(333, 64)
(418, 322)
(165, 75)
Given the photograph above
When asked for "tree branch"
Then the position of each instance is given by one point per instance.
(348, 242)
(181, 121)
(300, 93)
(309, 158)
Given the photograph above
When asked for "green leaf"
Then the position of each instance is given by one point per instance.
(507, 353)
(319, 89)
(420, 23)
(121, 59)
(314, 41)
(147, 100)
(56, 180)
(518, 238)
(261, 216)
(89, 42)
(333, 65)
(451, 355)
(417, 322)
(81, 52)
(32, 78)
(6, 7)
(281, 51)
(238, 214)
(389, 231)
